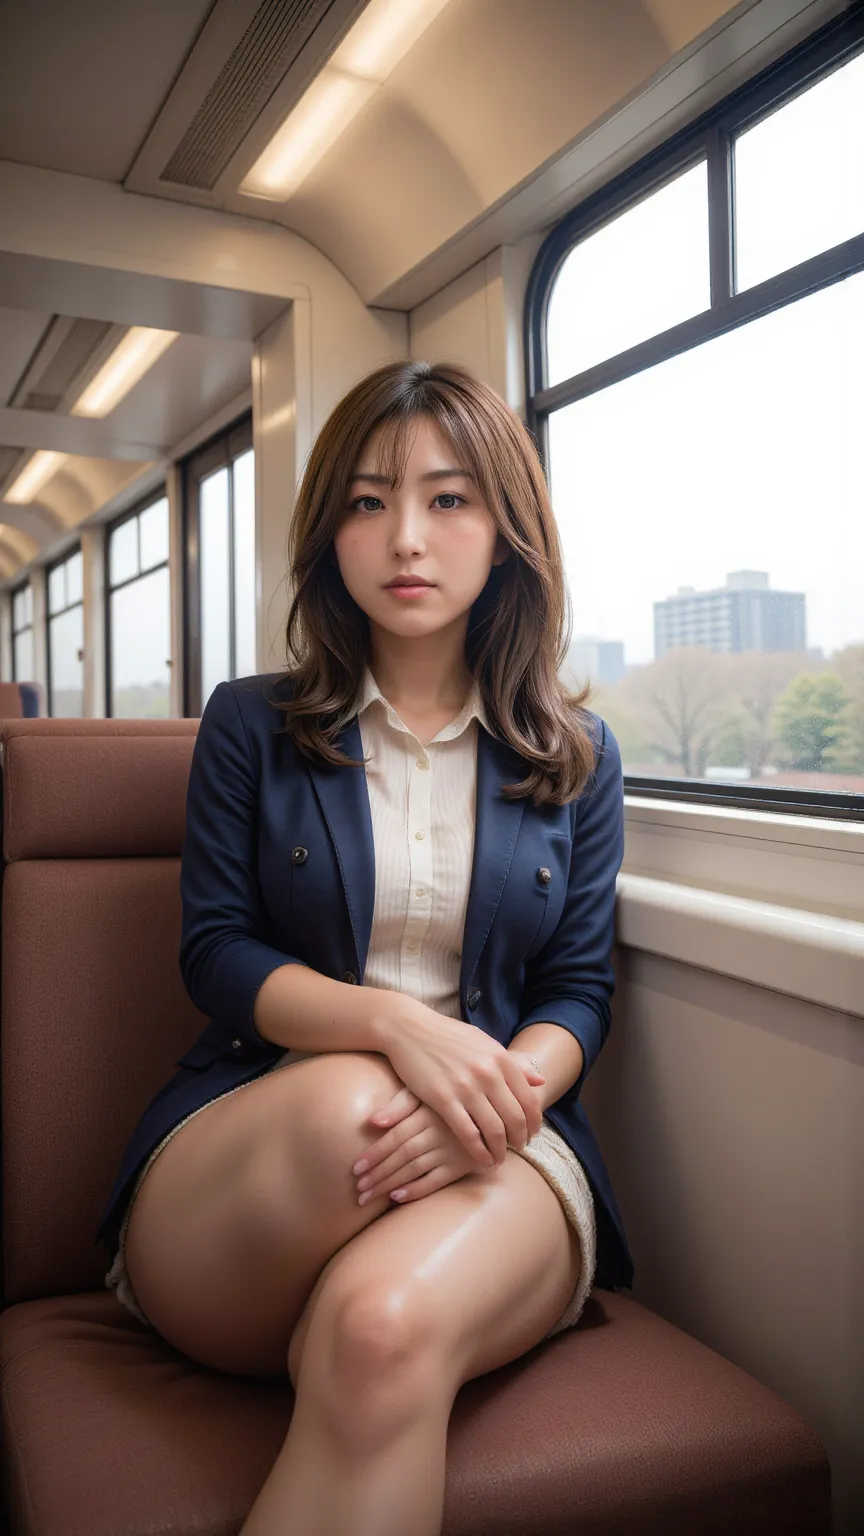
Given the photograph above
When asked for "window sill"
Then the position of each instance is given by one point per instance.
(809, 955)
(798, 863)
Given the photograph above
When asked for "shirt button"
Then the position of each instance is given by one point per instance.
(411, 948)
(422, 763)
(419, 836)
(421, 890)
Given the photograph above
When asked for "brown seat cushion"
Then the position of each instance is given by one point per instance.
(621, 1424)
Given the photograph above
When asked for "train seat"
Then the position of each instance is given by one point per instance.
(21, 701)
(624, 1423)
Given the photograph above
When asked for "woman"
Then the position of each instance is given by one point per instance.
(418, 806)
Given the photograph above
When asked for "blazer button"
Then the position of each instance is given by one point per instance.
(473, 997)
(236, 1045)
(544, 876)
(299, 855)
(350, 978)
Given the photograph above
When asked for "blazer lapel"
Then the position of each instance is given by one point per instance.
(344, 799)
(496, 829)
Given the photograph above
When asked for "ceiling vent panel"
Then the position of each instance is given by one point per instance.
(276, 35)
(62, 360)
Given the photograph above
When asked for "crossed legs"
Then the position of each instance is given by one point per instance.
(248, 1251)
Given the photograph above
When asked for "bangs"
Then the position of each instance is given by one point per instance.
(458, 430)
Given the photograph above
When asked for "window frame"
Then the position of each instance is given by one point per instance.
(13, 593)
(218, 453)
(710, 137)
(53, 565)
(111, 527)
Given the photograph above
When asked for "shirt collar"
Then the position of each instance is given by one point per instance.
(472, 709)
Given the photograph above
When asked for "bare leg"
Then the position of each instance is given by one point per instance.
(423, 1300)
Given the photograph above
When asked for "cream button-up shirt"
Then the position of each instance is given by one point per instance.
(423, 802)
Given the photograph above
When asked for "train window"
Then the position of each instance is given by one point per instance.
(66, 637)
(638, 274)
(799, 177)
(220, 540)
(694, 469)
(138, 618)
(22, 634)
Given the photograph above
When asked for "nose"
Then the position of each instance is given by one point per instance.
(408, 534)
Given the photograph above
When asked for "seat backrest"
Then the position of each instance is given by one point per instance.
(11, 702)
(94, 1012)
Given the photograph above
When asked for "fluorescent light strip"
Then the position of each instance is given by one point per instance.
(377, 42)
(33, 476)
(130, 360)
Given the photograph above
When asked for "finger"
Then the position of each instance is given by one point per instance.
(401, 1158)
(465, 1129)
(404, 1175)
(438, 1178)
(388, 1143)
(403, 1103)
(516, 1102)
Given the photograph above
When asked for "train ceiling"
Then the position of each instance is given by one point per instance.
(463, 147)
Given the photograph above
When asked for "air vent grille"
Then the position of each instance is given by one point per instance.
(61, 358)
(277, 33)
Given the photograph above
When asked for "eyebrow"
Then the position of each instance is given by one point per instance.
(433, 474)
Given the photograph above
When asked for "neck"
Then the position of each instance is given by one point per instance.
(429, 673)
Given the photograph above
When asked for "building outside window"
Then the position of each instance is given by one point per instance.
(138, 617)
(66, 637)
(220, 577)
(22, 634)
(695, 337)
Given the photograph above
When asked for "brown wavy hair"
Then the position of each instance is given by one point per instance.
(519, 626)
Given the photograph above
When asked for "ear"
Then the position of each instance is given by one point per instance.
(503, 550)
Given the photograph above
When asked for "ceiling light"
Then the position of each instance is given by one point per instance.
(128, 363)
(378, 40)
(33, 476)
(316, 123)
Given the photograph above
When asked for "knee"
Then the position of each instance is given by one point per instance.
(369, 1355)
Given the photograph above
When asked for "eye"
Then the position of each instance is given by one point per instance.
(356, 505)
(452, 497)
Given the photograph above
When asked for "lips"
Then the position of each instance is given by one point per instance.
(410, 581)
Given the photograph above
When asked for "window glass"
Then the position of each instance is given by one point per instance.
(799, 177)
(19, 608)
(28, 603)
(722, 630)
(644, 271)
(244, 563)
(65, 643)
(57, 588)
(154, 534)
(75, 578)
(215, 599)
(23, 656)
(123, 552)
(141, 646)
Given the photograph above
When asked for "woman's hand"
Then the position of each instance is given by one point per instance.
(420, 1152)
(477, 1087)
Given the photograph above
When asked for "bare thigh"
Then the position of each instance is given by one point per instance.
(246, 1204)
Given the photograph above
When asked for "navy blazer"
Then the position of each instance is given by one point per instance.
(279, 865)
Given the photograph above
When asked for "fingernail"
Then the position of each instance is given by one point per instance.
(398, 1194)
(361, 1166)
(363, 1198)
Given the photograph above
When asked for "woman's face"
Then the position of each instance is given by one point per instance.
(435, 526)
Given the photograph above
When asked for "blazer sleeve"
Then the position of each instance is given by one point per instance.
(570, 981)
(223, 960)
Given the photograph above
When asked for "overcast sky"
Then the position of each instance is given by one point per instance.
(746, 453)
